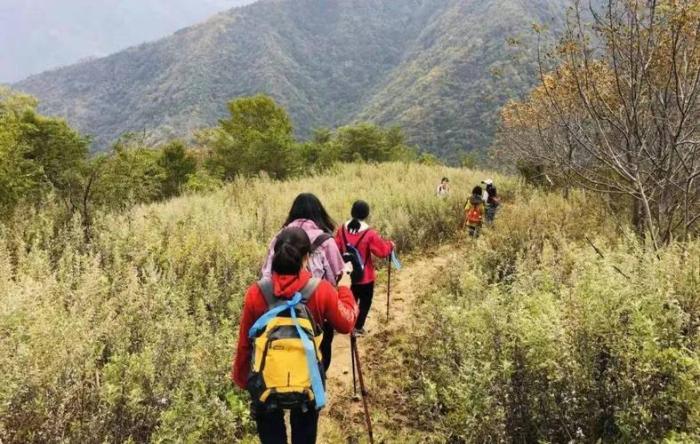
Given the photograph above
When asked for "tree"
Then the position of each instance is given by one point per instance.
(469, 160)
(130, 175)
(429, 159)
(18, 176)
(257, 137)
(60, 152)
(321, 152)
(371, 143)
(618, 112)
(177, 165)
(38, 154)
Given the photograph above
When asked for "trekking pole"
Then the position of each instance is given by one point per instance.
(388, 292)
(352, 360)
(363, 391)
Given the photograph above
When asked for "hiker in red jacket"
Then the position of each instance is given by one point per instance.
(325, 261)
(326, 304)
(368, 242)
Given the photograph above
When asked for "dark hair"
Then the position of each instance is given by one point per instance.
(477, 191)
(291, 248)
(307, 206)
(359, 212)
(445, 179)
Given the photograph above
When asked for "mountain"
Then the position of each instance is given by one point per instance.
(439, 68)
(460, 70)
(67, 31)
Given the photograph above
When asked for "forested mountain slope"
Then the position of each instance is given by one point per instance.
(36, 35)
(425, 64)
(448, 89)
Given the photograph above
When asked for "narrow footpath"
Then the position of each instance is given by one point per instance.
(343, 421)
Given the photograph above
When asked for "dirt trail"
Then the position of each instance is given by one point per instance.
(342, 421)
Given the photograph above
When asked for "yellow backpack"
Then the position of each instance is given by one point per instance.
(286, 365)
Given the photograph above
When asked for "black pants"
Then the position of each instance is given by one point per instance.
(363, 294)
(326, 345)
(490, 214)
(271, 429)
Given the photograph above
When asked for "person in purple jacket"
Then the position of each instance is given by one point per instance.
(325, 260)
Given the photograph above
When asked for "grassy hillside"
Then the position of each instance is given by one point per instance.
(131, 337)
(537, 337)
(533, 335)
(427, 65)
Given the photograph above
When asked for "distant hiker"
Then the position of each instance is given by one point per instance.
(444, 188)
(474, 212)
(285, 377)
(325, 261)
(492, 200)
(359, 242)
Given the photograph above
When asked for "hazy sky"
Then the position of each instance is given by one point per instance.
(36, 35)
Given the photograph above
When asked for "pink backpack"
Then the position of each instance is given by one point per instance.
(318, 264)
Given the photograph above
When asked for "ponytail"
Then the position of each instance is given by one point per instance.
(291, 247)
(354, 226)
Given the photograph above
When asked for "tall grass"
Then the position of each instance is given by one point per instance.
(129, 337)
(536, 337)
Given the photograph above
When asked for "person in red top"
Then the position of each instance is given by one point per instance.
(337, 307)
(368, 242)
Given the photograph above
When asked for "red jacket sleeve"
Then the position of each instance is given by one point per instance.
(378, 246)
(338, 307)
(339, 240)
(251, 312)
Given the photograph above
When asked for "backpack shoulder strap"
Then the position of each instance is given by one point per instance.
(320, 240)
(309, 289)
(345, 239)
(266, 288)
(362, 237)
(268, 291)
(369, 248)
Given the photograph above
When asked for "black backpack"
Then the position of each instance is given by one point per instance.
(352, 255)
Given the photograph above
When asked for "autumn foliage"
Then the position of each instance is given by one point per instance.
(616, 112)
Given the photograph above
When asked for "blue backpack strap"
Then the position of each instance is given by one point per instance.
(310, 349)
(272, 313)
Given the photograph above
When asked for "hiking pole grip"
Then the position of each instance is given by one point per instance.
(363, 391)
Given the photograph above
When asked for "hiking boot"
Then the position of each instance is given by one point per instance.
(358, 332)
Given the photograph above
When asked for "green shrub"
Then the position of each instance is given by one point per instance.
(130, 337)
(536, 338)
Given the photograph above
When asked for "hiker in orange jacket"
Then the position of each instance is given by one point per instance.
(357, 233)
(474, 212)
